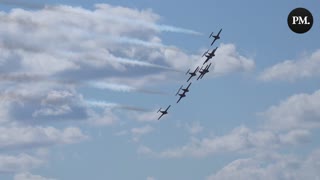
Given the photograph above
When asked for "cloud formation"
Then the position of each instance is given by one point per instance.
(297, 111)
(21, 162)
(240, 140)
(291, 70)
(271, 166)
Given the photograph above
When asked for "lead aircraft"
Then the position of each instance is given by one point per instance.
(216, 37)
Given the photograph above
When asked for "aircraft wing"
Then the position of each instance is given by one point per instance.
(179, 89)
(189, 78)
(205, 53)
(211, 35)
(213, 41)
(200, 76)
(168, 107)
(160, 116)
(189, 85)
(219, 32)
(196, 70)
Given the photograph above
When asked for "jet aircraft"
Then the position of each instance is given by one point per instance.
(209, 55)
(182, 95)
(203, 71)
(163, 111)
(215, 36)
(194, 73)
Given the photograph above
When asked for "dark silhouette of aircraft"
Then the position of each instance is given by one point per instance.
(203, 71)
(163, 112)
(215, 36)
(184, 92)
(209, 55)
(194, 73)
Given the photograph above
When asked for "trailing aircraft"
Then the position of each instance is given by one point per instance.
(163, 111)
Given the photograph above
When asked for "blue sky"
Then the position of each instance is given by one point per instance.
(81, 82)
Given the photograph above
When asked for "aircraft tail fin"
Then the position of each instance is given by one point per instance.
(179, 89)
(197, 69)
(205, 53)
(188, 71)
(159, 110)
(211, 35)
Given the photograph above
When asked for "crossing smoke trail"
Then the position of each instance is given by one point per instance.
(103, 104)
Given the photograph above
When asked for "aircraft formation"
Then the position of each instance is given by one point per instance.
(201, 71)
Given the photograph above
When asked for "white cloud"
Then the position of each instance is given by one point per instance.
(33, 104)
(240, 140)
(290, 70)
(93, 50)
(194, 128)
(18, 163)
(297, 111)
(296, 136)
(42, 50)
(29, 176)
(106, 119)
(144, 150)
(26, 137)
(272, 166)
(228, 60)
(140, 131)
(151, 116)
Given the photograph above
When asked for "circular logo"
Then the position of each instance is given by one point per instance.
(300, 20)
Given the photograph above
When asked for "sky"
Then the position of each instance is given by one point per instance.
(81, 83)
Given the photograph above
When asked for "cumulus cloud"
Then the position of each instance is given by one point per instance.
(94, 49)
(290, 70)
(140, 131)
(240, 140)
(297, 111)
(28, 137)
(18, 163)
(150, 116)
(272, 166)
(44, 49)
(28, 106)
(228, 59)
(194, 128)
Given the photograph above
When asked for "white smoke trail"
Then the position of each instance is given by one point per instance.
(131, 21)
(123, 88)
(152, 25)
(168, 28)
(134, 62)
(113, 87)
(108, 105)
